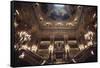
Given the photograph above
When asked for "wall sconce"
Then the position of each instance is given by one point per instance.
(34, 48)
(89, 43)
(89, 35)
(67, 48)
(81, 46)
(51, 48)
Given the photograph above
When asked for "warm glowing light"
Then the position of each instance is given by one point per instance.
(90, 43)
(34, 48)
(92, 52)
(86, 46)
(78, 6)
(59, 24)
(74, 60)
(94, 15)
(41, 18)
(81, 46)
(95, 25)
(29, 48)
(15, 46)
(69, 24)
(22, 55)
(15, 24)
(51, 47)
(37, 4)
(48, 23)
(24, 36)
(75, 19)
(89, 35)
(17, 12)
(56, 5)
(67, 48)
(43, 62)
(24, 47)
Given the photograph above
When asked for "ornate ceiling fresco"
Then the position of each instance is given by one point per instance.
(58, 16)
